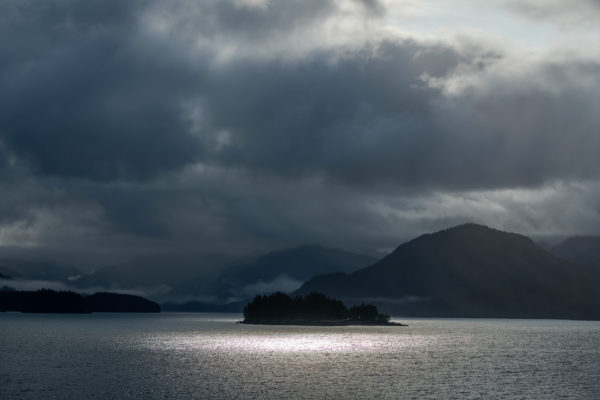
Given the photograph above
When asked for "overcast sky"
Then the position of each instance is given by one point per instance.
(241, 126)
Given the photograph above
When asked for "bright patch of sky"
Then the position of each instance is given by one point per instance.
(494, 21)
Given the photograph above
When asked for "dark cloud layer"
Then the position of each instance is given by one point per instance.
(84, 96)
(350, 117)
(91, 95)
(368, 117)
(144, 124)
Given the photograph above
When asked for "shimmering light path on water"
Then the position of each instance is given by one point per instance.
(210, 356)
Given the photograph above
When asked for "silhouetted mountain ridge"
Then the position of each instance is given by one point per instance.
(36, 270)
(4, 276)
(472, 271)
(282, 270)
(579, 249)
(165, 269)
(297, 264)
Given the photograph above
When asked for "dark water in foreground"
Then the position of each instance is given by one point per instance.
(204, 356)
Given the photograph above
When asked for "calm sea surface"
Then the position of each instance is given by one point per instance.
(209, 356)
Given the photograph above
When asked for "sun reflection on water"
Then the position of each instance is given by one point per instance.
(288, 342)
(300, 343)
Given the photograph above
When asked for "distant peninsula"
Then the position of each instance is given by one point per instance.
(312, 309)
(68, 302)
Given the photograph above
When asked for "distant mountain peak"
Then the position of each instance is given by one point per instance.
(469, 270)
(471, 227)
(467, 235)
(308, 246)
(581, 249)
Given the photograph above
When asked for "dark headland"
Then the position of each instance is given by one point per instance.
(68, 302)
(312, 309)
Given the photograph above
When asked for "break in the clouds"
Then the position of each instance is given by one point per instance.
(567, 14)
(246, 124)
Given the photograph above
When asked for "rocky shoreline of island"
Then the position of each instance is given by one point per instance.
(320, 323)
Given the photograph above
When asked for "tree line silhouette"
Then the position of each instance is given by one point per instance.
(51, 301)
(281, 308)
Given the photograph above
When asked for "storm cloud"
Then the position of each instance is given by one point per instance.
(248, 125)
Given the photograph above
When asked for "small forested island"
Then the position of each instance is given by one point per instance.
(312, 309)
(68, 302)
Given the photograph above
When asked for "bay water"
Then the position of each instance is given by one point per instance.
(210, 356)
